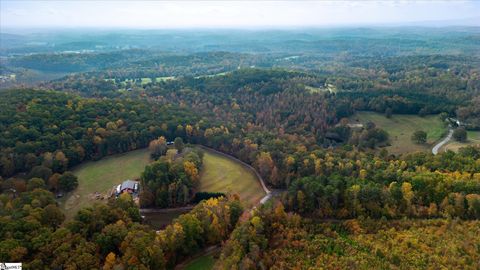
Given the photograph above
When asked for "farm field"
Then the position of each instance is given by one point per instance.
(473, 139)
(400, 127)
(145, 80)
(327, 88)
(222, 174)
(100, 176)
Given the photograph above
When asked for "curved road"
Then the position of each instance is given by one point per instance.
(268, 196)
(442, 142)
(259, 177)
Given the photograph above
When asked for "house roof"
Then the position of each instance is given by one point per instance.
(128, 184)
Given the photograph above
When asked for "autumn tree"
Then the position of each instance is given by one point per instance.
(191, 170)
(460, 134)
(158, 147)
(264, 164)
(68, 182)
(179, 145)
(419, 137)
(35, 183)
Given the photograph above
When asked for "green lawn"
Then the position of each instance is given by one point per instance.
(473, 138)
(202, 263)
(222, 174)
(328, 88)
(146, 80)
(219, 174)
(400, 127)
(100, 176)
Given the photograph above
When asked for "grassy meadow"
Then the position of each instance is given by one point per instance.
(222, 174)
(400, 127)
(100, 176)
(145, 80)
(219, 174)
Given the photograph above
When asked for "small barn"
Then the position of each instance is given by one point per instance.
(128, 186)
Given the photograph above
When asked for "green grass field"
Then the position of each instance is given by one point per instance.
(400, 127)
(329, 88)
(100, 176)
(202, 263)
(145, 80)
(219, 174)
(473, 139)
(222, 174)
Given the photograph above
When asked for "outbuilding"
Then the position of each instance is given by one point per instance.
(129, 186)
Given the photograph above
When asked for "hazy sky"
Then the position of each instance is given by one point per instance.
(179, 14)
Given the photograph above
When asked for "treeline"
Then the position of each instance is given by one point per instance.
(469, 115)
(39, 177)
(106, 236)
(349, 184)
(274, 239)
(57, 131)
(77, 61)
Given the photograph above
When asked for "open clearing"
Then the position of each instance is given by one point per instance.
(145, 80)
(100, 176)
(223, 174)
(473, 139)
(400, 127)
(327, 88)
(219, 174)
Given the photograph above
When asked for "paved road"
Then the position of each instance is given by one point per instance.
(442, 142)
(268, 195)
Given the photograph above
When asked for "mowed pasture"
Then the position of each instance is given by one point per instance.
(473, 139)
(400, 127)
(224, 174)
(100, 176)
(219, 174)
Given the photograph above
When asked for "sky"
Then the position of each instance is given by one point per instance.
(232, 14)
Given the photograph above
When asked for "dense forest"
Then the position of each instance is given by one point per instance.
(342, 200)
(275, 239)
(168, 183)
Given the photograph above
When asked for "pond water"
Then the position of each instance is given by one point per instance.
(159, 220)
